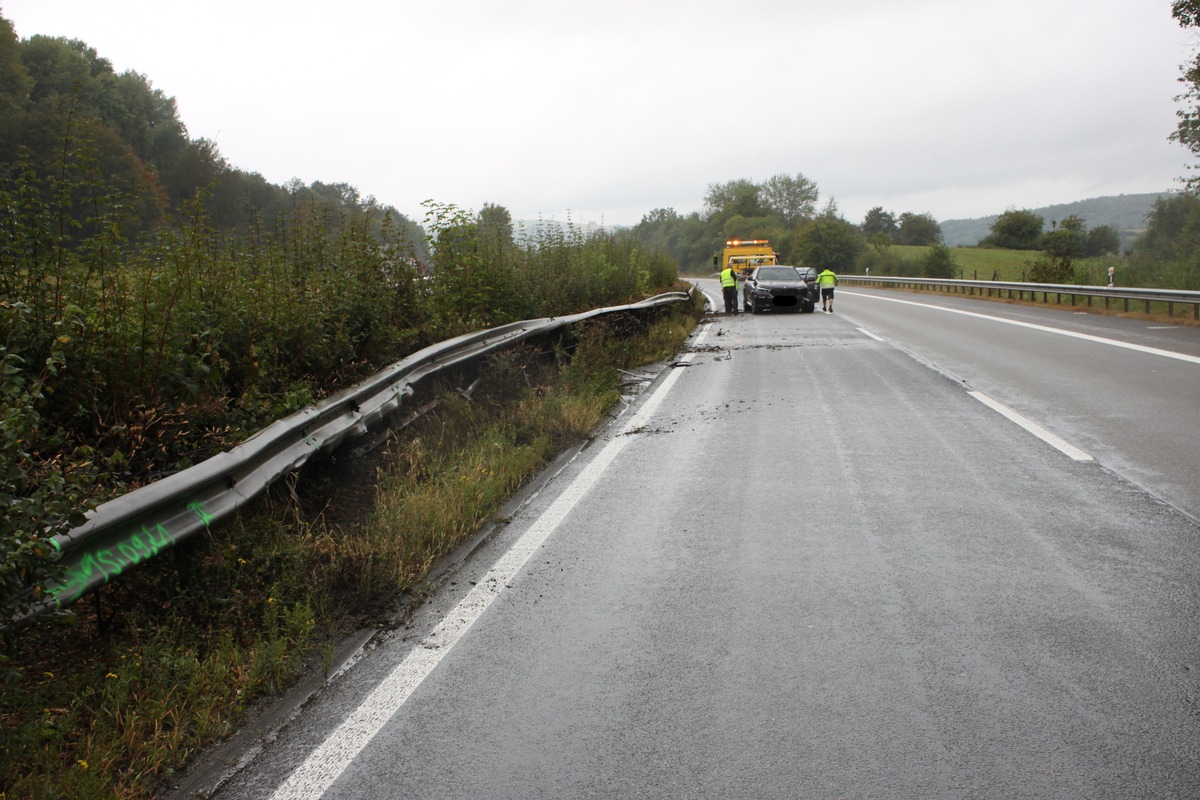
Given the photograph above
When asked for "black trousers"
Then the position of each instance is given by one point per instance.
(730, 293)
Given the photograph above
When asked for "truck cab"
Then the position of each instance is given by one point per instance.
(744, 255)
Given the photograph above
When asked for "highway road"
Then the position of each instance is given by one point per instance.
(922, 547)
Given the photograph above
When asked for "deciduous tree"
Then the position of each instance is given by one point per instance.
(495, 230)
(1102, 240)
(828, 241)
(793, 199)
(878, 221)
(1015, 230)
(918, 229)
(741, 196)
(1064, 241)
(1187, 131)
(1172, 229)
(14, 90)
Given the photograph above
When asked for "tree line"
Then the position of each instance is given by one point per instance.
(784, 209)
(63, 105)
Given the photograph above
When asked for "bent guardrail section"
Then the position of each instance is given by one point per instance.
(1125, 294)
(129, 530)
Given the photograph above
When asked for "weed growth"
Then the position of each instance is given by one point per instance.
(114, 705)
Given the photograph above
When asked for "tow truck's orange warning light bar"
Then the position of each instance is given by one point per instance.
(740, 242)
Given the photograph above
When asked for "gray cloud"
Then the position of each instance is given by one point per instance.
(958, 109)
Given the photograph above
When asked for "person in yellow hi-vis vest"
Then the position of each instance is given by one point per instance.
(729, 288)
(827, 280)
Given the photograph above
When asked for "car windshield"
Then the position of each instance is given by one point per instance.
(777, 274)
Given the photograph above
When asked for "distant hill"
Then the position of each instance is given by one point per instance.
(1125, 212)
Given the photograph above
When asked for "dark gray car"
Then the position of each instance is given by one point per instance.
(775, 287)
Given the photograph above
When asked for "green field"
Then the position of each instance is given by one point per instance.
(984, 264)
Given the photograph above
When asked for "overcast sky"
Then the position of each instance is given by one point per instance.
(608, 110)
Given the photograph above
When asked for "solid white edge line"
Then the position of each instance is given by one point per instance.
(1046, 436)
(325, 764)
(1044, 328)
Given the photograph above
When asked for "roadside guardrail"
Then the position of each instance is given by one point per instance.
(1015, 290)
(135, 527)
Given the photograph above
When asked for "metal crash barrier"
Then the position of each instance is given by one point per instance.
(1018, 291)
(131, 529)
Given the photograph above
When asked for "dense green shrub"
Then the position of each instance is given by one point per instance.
(939, 263)
(44, 483)
(881, 261)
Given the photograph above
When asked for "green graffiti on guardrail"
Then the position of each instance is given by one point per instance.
(99, 566)
(198, 507)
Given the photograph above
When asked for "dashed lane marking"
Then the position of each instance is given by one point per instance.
(1046, 436)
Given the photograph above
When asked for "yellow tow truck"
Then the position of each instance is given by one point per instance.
(744, 255)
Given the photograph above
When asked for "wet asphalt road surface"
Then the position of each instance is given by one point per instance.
(1138, 413)
(818, 569)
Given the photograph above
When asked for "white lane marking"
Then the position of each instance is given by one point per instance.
(1046, 436)
(325, 764)
(1045, 328)
(1038, 431)
(873, 336)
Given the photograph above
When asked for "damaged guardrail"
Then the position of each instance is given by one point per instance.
(1011, 289)
(131, 529)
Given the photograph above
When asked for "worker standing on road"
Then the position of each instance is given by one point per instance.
(827, 280)
(729, 288)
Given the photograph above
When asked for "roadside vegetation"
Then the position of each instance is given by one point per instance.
(125, 359)
(158, 306)
(112, 706)
(128, 357)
